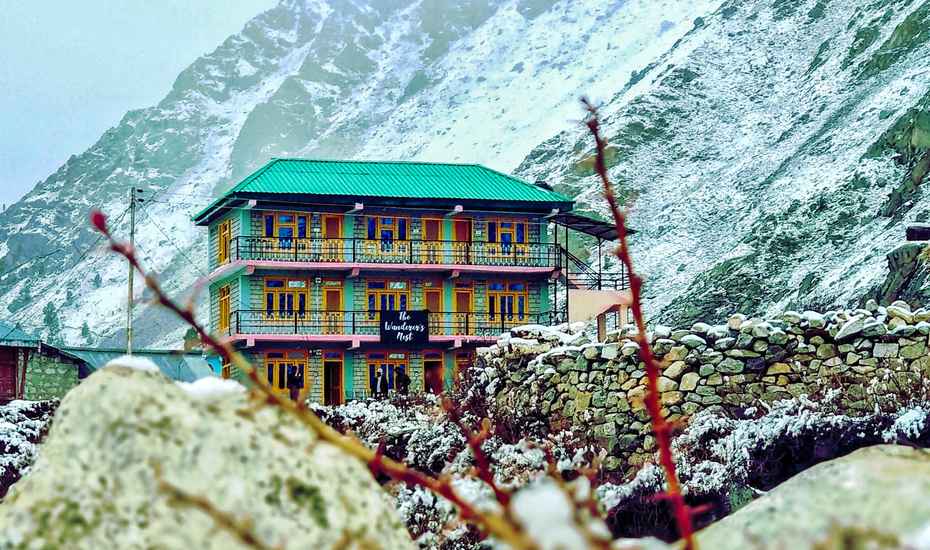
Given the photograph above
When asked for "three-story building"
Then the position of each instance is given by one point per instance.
(311, 260)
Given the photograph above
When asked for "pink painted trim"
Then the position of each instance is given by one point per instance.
(223, 271)
(354, 267)
(354, 340)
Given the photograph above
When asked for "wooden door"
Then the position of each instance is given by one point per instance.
(332, 238)
(433, 376)
(464, 321)
(462, 231)
(332, 310)
(7, 374)
(432, 250)
(332, 382)
(433, 299)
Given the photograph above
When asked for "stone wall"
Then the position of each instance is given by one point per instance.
(866, 354)
(49, 376)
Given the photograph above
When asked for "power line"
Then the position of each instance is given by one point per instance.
(24, 262)
(174, 244)
(16, 319)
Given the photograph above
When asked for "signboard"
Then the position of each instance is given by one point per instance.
(404, 327)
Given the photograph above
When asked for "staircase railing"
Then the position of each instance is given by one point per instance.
(580, 273)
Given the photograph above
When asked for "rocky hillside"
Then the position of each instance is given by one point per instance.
(471, 81)
(764, 139)
(775, 155)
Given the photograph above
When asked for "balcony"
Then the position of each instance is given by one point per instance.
(335, 325)
(388, 252)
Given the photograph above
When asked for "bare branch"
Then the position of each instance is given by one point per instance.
(660, 426)
(500, 526)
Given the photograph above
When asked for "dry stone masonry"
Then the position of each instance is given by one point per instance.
(867, 355)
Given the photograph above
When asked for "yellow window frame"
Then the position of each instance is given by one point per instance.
(223, 241)
(223, 297)
(393, 225)
(275, 359)
(388, 361)
(498, 295)
(278, 292)
(377, 293)
(498, 247)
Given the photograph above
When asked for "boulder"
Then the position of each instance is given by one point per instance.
(851, 328)
(814, 319)
(94, 483)
(881, 489)
(693, 341)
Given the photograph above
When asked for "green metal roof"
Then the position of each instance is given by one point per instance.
(176, 365)
(12, 335)
(382, 179)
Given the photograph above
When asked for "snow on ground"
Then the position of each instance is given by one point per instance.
(134, 362)
(717, 453)
(22, 425)
(211, 387)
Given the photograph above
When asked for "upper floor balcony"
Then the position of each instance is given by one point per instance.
(386, 252)
(363, 325)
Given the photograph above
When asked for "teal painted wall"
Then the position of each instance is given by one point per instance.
(348, 375)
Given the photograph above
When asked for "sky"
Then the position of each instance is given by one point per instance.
(70, 69)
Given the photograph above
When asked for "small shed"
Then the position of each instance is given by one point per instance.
(31, 369)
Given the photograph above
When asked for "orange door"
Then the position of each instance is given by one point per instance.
(432, 241)
(464, 321)
(8, 362)
(462, 245)
(332, 381)
(332, 315)
(434, 307)
(332, 238)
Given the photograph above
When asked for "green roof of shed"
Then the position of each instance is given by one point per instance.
(13, 335)
(176, 365)
(383, 179)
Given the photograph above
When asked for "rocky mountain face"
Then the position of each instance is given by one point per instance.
(774, 155)
(769, 143)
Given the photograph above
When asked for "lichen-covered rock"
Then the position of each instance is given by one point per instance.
(879, 490)
(94, 485)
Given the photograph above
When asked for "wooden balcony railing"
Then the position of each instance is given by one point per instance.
(356, 323)
(397, 251)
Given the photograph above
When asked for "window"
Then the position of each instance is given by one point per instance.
(387, 296)
(287, 370)
(507, 232)
(390, 362)
(224, 241)
(286, 226)
(223, 323)
(387, 228)
(507, 301)
(284, 296)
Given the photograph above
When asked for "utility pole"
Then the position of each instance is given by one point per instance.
(133, 200)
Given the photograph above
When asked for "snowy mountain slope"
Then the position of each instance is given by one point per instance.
(762, 151)
(477, 81)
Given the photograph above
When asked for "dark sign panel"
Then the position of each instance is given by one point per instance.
(404, 327)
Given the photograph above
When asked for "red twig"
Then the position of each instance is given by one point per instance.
(475, 440)
(660, 426)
